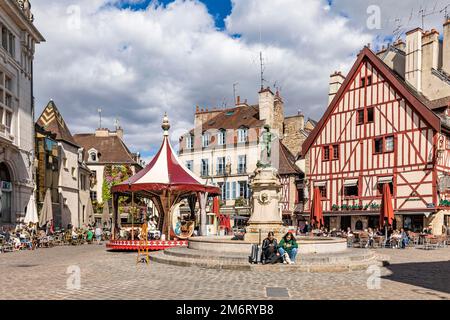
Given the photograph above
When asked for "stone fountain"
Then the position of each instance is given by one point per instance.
(265, 216)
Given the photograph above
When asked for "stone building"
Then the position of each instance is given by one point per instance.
(224, 148)
(388, 122)
(17, 48)
(60, 169)
(104, 152)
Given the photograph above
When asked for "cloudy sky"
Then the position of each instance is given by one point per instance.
(136, 59)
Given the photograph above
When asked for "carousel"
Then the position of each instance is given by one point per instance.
(167, 183)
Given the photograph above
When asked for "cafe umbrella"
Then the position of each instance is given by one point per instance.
(316, 210)
(89, 218)
(46, 213)
(106, 219)
(387, 211)
(31, 214)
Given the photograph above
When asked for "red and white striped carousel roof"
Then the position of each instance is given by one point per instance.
(165, 172)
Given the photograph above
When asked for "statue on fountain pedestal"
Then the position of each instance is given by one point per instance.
(266, 187)
(267, 139)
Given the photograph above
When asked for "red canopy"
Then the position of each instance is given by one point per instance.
(316, 210)
(387, 211)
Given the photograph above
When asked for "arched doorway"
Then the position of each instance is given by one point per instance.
(5, 194)
(358, 225)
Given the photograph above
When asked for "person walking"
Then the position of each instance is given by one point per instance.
(98, 235)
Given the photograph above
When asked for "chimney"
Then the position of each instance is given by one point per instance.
(302, 120)
(430, 51)
(119, 133)
(238, 101)
(336, 80)
(102, 132)
(400, 45)
(413, 69)
(266, 106)
(446, 47)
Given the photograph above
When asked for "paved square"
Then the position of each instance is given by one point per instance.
(50, 274)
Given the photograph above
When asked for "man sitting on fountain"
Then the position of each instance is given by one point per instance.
(288, 248)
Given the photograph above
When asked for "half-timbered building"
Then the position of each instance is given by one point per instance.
(387, 123)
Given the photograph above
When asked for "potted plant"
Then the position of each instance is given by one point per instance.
(335, 207)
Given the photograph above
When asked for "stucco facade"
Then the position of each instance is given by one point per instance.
(16, 109)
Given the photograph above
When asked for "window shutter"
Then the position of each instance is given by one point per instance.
(234, 190)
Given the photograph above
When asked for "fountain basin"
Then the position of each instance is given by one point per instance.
(306, 245)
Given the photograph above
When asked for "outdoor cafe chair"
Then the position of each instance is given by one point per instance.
(59, 239)
(431, 243)
(6, 246)
(350, 241)
(442, 241)
(68, 238)
(414, 240)
(363, 240)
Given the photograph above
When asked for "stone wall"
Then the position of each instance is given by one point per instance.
(278, 115)
(293, 136)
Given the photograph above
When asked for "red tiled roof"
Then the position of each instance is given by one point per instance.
(404, 90)
(235, 118)
(110, 149)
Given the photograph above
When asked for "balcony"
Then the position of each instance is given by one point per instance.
(204, 174)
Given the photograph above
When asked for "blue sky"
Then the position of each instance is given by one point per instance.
(219, 9)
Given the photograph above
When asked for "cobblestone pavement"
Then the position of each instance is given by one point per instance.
(44, 274)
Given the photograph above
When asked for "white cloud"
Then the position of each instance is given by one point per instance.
(138, 64)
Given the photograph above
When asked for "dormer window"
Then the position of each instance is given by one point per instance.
(93, 155)
(80, 155)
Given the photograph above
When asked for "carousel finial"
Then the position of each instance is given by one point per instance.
(166, 125)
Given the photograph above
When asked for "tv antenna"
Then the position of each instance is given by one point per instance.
(423, 13)
(99, 110)
(224, 103)
(397, 33)
(261, 60)
(445, 11)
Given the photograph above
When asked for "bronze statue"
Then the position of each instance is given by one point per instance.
(267, 138)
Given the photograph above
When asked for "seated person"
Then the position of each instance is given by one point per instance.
(288, 248)
(74, 234)
(90, 235)
(269, 250)
(404, 238)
